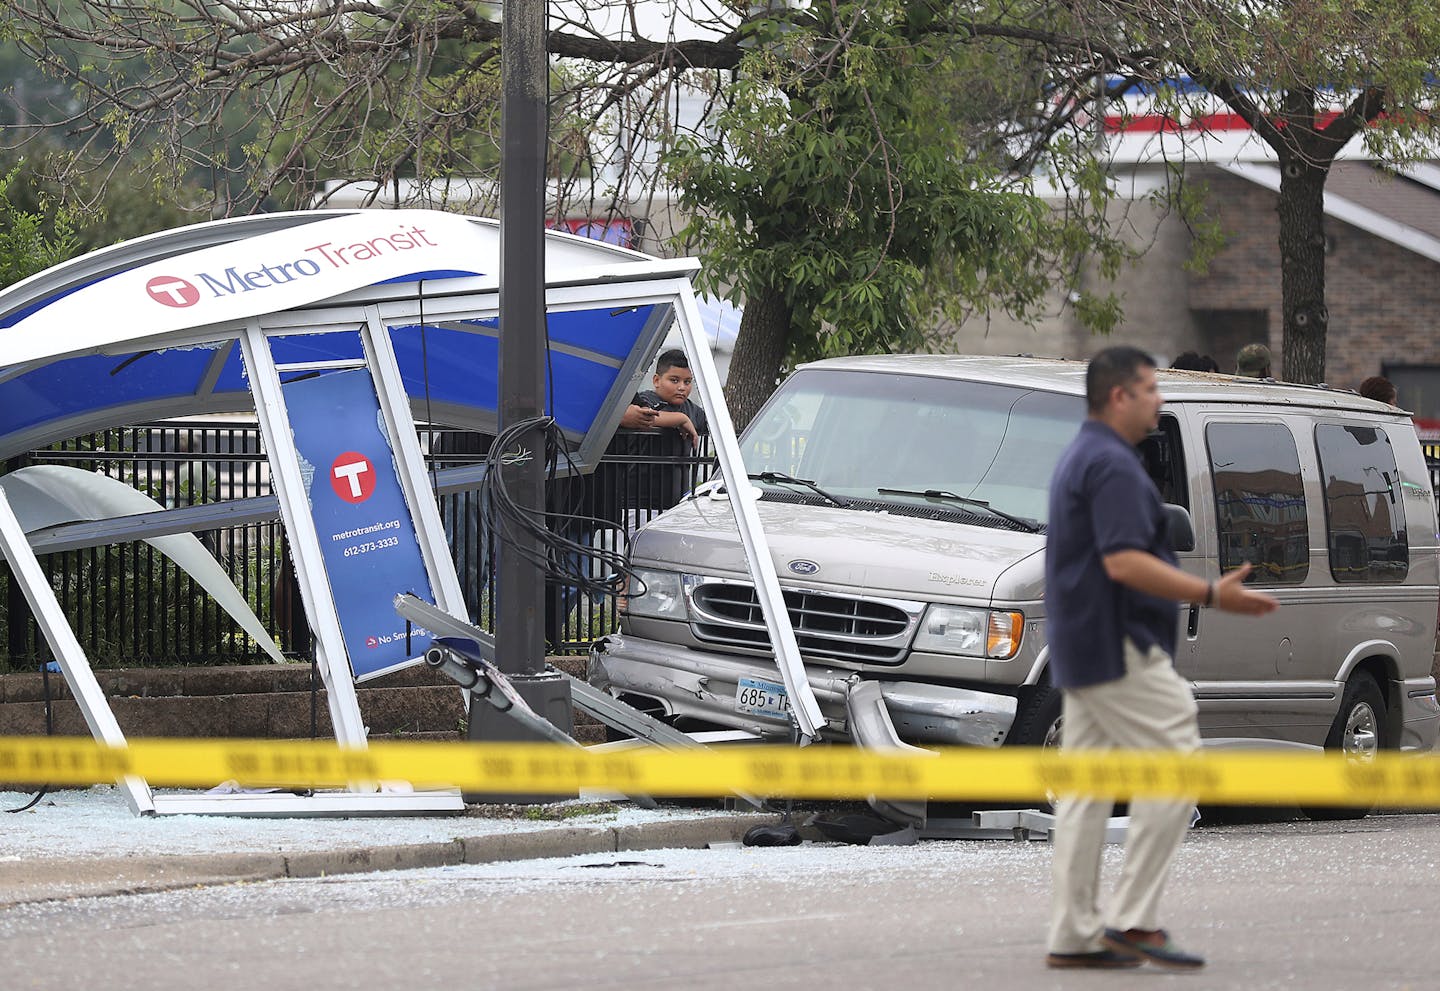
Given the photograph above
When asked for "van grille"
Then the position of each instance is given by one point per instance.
(841, 627)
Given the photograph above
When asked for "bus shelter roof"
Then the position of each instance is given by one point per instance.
(146, 329)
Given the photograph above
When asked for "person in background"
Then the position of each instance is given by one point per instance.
(1253, 361)
(1379, 388)
(671, 396)
(1192, 362)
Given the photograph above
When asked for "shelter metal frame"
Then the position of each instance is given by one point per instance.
(371, 312)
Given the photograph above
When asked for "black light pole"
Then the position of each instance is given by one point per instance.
(520, 585)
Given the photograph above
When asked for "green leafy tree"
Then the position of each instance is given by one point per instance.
(859, 155)
(60, 158)
(93, 213)
(847, 205)
(31, 241)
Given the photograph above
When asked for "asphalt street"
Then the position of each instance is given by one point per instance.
(1272, 904)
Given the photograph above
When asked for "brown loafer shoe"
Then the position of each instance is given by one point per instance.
(1096, 960)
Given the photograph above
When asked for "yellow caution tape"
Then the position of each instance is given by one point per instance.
(1009, 773)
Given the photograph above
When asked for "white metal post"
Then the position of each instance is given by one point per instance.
(429, 530)
(747, 519)
(68, 653)
(330, 655)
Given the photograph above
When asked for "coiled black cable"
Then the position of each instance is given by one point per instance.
(564, 559)
(49, 731)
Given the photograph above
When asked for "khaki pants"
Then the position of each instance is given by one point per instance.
(1151, 708)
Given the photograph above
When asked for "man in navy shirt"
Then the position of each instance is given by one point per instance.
(1111, 588)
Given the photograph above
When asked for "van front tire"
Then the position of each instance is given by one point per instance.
(1037, 723)
(1359, 732)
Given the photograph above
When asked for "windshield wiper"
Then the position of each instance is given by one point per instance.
(1029, 526)
(780, 478)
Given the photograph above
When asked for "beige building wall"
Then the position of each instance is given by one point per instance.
(1051, 334)
(1153, 290)
(1154, 287)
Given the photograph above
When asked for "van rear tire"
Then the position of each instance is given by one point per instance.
(1359, 732)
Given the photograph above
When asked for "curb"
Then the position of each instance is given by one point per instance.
(33, 882)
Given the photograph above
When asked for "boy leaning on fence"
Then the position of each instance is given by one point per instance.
(670, 395)
(636, 479)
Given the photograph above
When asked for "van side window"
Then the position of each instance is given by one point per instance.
(1364, 514)
(1163, 456)
(1259, 501)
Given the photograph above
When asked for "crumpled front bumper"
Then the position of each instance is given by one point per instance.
(701, 685)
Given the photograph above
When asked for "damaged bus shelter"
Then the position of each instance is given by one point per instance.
(338, 330)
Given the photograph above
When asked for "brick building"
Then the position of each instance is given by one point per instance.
(1382, 278)
(1382, 274)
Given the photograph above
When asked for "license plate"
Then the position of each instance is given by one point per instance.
(762, 698)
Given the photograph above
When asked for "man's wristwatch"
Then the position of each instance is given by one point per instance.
(1209, 594)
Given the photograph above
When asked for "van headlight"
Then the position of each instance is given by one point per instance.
(970, 632)
(663, 595)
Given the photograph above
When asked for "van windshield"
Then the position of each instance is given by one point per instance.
(854, 433)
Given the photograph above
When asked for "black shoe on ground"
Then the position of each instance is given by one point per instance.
(1152, 945)
(1096, 960)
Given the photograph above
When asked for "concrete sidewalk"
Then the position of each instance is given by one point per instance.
(84, 843)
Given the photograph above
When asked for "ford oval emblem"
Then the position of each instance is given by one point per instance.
(804, 567)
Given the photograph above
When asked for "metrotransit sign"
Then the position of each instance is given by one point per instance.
(267, 273)
(315, 260)
(365, 529)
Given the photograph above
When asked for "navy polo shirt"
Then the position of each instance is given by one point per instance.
(1101, 501)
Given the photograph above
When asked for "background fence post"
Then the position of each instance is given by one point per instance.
(17, 612)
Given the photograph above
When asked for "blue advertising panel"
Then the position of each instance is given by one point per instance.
(366, 532)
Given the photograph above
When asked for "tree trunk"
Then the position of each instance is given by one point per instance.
(760, 349)
(1302, 268)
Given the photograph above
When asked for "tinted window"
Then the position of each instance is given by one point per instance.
(1259, 500)
(1163, 455)
(1364, 516)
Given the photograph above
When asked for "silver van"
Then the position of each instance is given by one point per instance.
(904, 498)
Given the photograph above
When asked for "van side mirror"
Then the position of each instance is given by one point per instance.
(1182, 531)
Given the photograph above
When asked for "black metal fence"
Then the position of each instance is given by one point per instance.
(1432, 465)
(130, 605)
(642, 474)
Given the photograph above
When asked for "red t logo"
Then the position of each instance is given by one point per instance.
(172, 291)
(352, 476)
